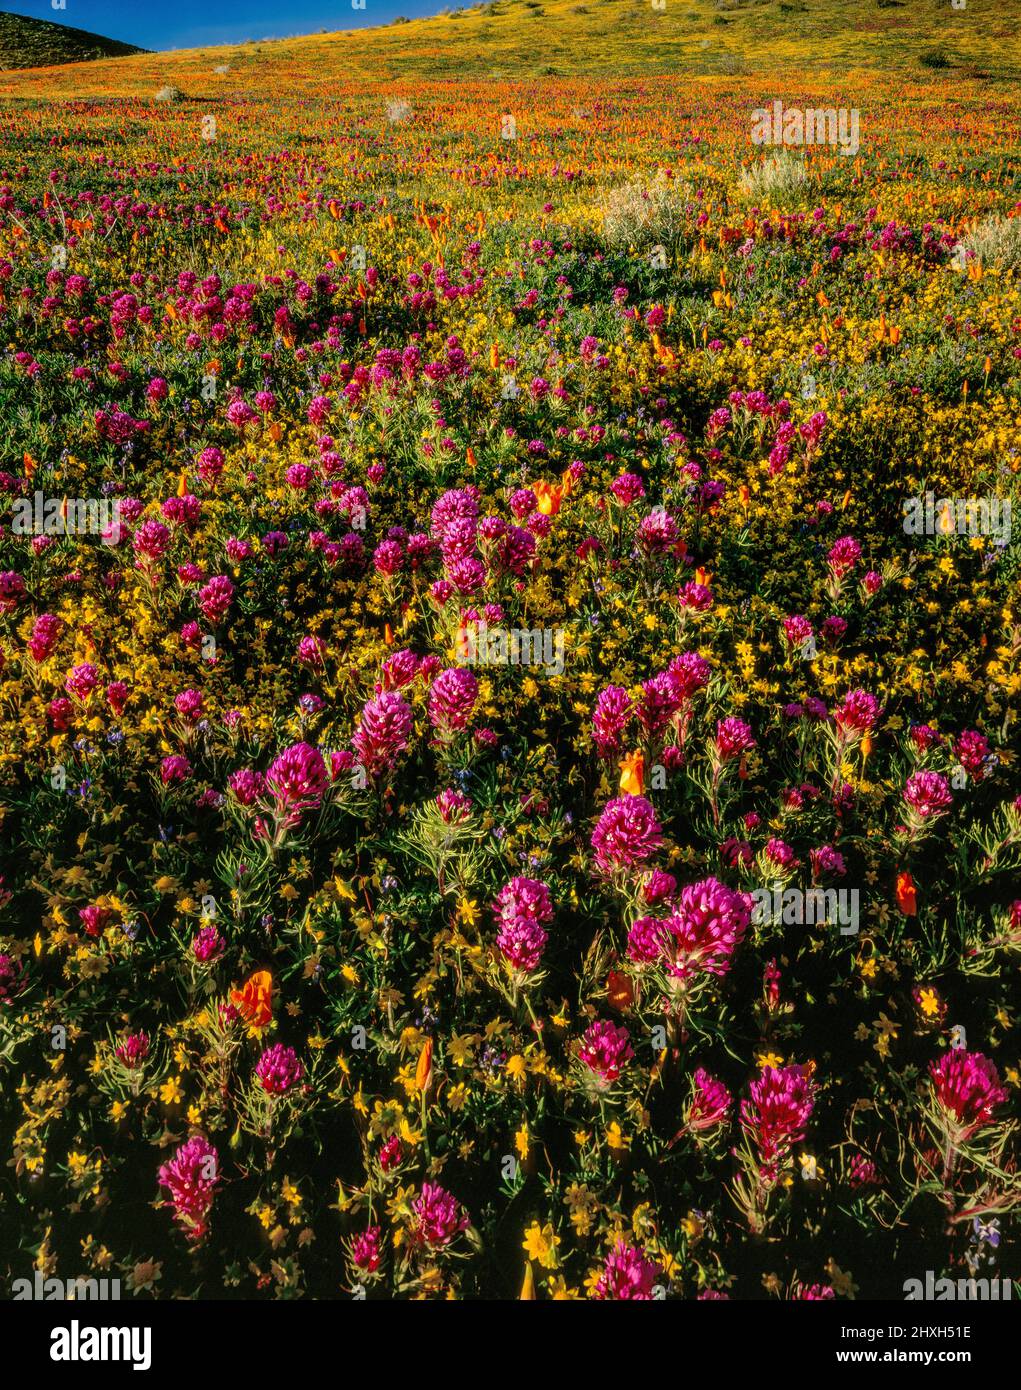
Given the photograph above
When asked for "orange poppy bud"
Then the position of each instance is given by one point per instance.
(528, 1284)
(907, 899)
(470, 458)
(424, 1070)
(632, 775)
(619, 990)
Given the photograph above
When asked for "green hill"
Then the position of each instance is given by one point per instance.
(36, 43)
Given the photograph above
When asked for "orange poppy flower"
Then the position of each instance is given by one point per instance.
(632, 775)
(254, 1000)
(619, 990)
(907, 899)
(548, 497)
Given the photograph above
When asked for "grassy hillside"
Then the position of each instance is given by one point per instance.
(535, 38)
(36, 43)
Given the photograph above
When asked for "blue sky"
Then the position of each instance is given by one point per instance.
(196, 23)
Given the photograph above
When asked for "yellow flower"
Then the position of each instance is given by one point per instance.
(928, 999)
(521, 1141)
(540, 1244)
(468, 911)
(516, 1067)
(170, 1091)
(618, 1141)
(769, 1059)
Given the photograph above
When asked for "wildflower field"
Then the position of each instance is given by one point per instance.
(510, 637)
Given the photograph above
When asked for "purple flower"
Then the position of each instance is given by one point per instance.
(626, 834)
(192, 1176)
(279, 1069)
(928, 794)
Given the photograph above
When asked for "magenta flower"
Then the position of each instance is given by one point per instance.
(439, 1217)
(858, 713)
(659, 703)
(627, 488)
(297, 781)
(710, 1104)
(928, 794)
(151, 541)
(862, 1172)
(967, 1088)
(247, 785)
(452, 700)
(384, 732)
(627, 1275)
(45, 632)
(454, 807)
(365, 1252)
(779, 858)
(192, 1176)
(797, 630)
(174, 769)
(279, 1069)
(708, 924)
(690, 673)
(215, 599)
(82, 681)
(776, 1116)
(605, 1050)
(612, 714)
(647, 940)
(626, 834)
(312, 652)
(390, 1154)
(189, 705)
(207, 944)
(972, 751)
(523, 908)
(133, 1050)
(733, 737)
(12, 978)
(844, 554)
